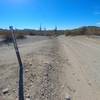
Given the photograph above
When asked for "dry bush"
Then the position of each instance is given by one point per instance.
(90, 30)
(8, 38)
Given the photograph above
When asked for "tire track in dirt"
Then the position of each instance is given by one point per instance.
(77, 74)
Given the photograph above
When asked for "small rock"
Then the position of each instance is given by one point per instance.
(14, 90)
(67, 97)
(28, 96)
(26, 70)
(31, 84)
(28, 99)
(5, 91)
(89, 84)
(30, 63)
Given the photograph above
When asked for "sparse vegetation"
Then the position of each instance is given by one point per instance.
(89, 30)
(21, 34)
(8, 38)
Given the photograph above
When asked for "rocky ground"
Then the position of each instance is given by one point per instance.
(55, 68)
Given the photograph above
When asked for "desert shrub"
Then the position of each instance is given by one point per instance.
(80, 31)
(32, 34)
(20, 36)
(67, 33)
(8, 38)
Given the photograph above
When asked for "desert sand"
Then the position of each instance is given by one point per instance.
(54, 68)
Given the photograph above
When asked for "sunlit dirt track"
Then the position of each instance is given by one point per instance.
(54, 68)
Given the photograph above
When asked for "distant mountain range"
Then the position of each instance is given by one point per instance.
(86, 30)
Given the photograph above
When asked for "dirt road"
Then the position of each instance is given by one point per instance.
(54, 68)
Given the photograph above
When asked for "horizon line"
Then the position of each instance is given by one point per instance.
(45, 28)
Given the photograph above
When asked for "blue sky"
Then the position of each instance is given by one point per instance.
(49, 13)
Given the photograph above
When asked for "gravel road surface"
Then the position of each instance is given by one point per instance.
(54, 68)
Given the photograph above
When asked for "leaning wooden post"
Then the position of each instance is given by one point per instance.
(21, 86)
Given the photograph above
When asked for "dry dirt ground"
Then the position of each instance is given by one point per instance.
(54, 68)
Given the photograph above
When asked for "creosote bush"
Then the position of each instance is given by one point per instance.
(8, 38)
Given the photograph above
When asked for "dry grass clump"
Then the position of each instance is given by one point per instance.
(8, 37)
(90, 30)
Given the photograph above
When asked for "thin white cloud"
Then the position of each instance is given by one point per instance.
(98, 23)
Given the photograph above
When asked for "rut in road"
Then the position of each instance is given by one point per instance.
(42, 72)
